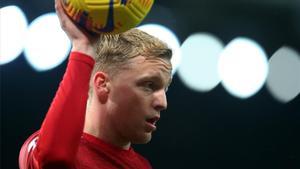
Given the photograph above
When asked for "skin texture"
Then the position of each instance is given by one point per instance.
(125, 108)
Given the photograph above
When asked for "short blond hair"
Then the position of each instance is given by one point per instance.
(113, 51)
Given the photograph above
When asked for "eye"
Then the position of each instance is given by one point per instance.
(152, 84)
(149, 85)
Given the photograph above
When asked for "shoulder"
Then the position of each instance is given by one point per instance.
(26, 158)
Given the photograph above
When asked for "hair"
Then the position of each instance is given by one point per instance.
(114, 51)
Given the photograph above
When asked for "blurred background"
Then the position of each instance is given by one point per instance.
(234, 101)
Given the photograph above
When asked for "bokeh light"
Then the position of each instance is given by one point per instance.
(199, 65)
(243, 67)
(13, 29)
(47, 45)
(283, 80)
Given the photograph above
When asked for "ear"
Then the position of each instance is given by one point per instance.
(100, 85)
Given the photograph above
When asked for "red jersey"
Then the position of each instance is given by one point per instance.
(61, 143)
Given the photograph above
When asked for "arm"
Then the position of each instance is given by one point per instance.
(62, 128)
(60, 133)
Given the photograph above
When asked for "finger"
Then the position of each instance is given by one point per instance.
(59, 9)
(58, 5)
(60, 12)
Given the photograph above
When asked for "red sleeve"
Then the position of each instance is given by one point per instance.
(26, 158)
(62, 128)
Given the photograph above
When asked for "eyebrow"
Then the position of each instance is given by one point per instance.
(158, 77)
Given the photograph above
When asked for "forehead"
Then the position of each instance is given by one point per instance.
(150, 66)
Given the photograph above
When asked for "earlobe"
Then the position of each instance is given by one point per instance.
(100, 86)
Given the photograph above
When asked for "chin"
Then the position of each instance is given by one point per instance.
(143, 139)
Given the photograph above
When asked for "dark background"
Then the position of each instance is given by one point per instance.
(211, 130)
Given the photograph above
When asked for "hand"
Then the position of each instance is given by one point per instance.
(80, 39)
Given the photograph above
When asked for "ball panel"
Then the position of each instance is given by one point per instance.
(124, 19)
(141, 7)
(107, 16)
(99, 3)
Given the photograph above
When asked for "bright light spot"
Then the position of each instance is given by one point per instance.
(167, 36)
(199, 65)
(13, 27)
(284, 75)
(47, 45)
(243, 67)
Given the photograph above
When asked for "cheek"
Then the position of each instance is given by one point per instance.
(127, 99)
(130, 101)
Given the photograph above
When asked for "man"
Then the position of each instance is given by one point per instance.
(111, 96)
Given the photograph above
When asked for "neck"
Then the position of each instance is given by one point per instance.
(97, 123)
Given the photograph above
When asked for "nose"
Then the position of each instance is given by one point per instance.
(160, 100)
